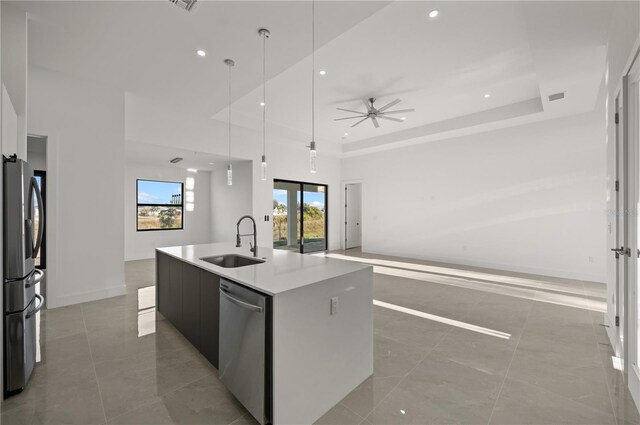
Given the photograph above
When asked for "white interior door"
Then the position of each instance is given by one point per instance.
(353, 215)
(633, 267)
(618, 249)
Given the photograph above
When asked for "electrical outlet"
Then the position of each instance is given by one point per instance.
(334, 305)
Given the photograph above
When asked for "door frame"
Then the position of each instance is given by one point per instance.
(346, 215)
(343, 226)
(631, 117)
(326, 210)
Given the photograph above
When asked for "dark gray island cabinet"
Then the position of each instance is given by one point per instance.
(312, 346)
(189, 298)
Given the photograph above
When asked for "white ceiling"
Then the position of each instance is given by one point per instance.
(519, 52)
(149, 154)
(148, 47)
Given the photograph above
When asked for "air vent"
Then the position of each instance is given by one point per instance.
(556, 96)
(175, 160)
(185, 4)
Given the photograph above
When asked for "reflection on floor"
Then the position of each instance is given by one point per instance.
(114, 361)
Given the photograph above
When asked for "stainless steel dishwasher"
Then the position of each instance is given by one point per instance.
(244, 347)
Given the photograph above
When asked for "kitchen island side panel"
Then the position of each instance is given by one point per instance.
(319, 358)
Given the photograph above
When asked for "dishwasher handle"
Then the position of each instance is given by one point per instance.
(242, 304)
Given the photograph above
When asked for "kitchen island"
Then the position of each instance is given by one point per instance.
(319, 324)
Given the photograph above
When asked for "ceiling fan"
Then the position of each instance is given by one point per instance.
(374, 113)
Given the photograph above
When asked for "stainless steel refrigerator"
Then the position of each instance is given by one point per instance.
(23, 230)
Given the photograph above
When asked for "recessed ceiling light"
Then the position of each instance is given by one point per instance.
(346, 134)
(211, 163)
(323, 72)
(261, 103)
(487, 95)
(201, 53)
(192, 170)
(434, 13)
(403, 118)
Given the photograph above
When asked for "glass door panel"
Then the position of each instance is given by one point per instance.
(286, 216)
(313, 218)
(299, 216)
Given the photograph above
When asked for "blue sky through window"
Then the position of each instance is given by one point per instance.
(154, 192)
(314, 198)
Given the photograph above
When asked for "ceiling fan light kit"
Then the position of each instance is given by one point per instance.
(374, 113)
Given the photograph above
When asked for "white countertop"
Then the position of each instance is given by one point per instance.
(282, 270)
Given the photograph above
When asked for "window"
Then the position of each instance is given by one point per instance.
(159, 205)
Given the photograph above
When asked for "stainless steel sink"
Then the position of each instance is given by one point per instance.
(232, 260)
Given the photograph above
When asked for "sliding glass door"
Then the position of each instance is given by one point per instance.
(299, 216)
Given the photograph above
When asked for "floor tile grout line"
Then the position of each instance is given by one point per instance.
(351, 410)
(426, 354)
(93, 364)
(513, 356)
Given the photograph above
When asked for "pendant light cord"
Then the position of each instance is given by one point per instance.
(264, 94)
(313, 71)
(229, 124)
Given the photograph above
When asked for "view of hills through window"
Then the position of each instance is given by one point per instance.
(159, 205)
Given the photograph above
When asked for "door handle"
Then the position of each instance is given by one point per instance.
(621, 251)
(242, 304)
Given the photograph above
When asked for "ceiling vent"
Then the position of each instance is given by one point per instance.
(185, 4)
(176, 160)
(556, 96)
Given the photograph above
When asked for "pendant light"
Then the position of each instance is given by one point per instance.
(264, 33)
(230, 63)
(313, 159)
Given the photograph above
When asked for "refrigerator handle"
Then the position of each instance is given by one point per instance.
(40, 298)
(36, 248)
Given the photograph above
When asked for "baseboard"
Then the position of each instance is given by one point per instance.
(83, 297)
(140, 256)
(563, 274)
(612, 333)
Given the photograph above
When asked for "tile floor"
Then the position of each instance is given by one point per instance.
(114, 362)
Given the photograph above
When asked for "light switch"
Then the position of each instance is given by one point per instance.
(334, 305)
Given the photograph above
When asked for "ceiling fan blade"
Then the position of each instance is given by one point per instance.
(364, 119)
(375, 122)
(389, 105)
(349, 118)
(349, 110)
(390, 118)
(367, 104)
(400, 111)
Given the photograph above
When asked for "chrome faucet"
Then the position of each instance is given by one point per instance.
(254, 246)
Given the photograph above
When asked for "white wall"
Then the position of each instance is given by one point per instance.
(37, 160)
(14, 72)
(197, 223)
(229, 203)
(149, 122)
(84, 123)
(9, 125)
(528, 198)
(291, 162)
